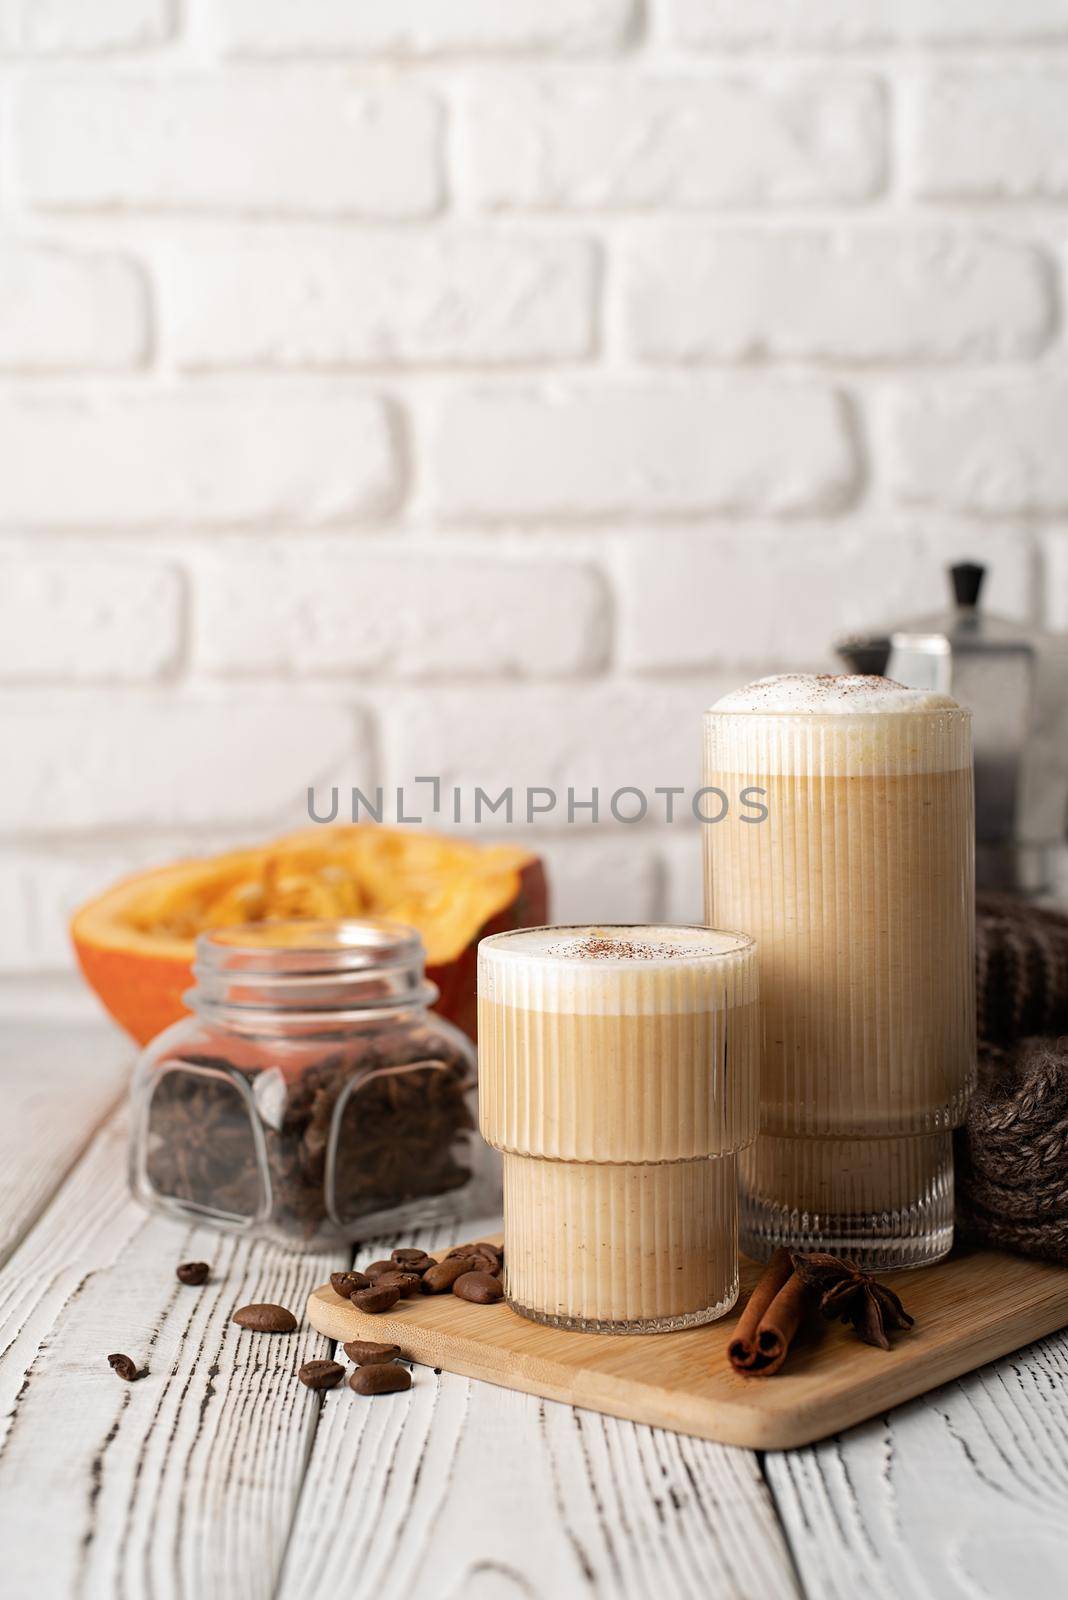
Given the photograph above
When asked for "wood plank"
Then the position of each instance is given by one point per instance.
(962, 1495)
(975, 1305)
(58, 1082)
(184, 1483)
(459, 1488)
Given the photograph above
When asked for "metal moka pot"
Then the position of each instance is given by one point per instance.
(1014, 680)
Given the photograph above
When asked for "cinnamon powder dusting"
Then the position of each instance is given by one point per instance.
(596, 948)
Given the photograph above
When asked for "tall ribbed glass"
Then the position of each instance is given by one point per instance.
(618, 1077)
(858, 886)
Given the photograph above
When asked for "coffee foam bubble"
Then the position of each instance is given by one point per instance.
(617, 970)
(819, 725)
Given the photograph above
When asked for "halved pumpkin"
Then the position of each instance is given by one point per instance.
(135, 943)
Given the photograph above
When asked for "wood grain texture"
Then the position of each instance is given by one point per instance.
(57, 1085)
(968, 1309)
(962, 1495)
(218, 1475)
(458, 1488)
(184, 1483)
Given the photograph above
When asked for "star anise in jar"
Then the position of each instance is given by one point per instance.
(849, 1294)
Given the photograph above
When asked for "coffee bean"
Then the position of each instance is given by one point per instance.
(483, 1257)
(383, 1377)
(265, 1319)
(321, 1374)
(488, 1249)
(413, 1260)
(402, 1139)
(481, 1287)
(375, 1299)
(376, 1269)
(346, 1283)
(490, 1264)
(368, 1352)
(440, 1278)
(407, 1282)
(193, 1272)
(126, 1368)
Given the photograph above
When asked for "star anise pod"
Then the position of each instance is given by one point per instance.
(848, 1293)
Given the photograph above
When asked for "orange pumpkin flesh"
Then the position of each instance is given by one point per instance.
(135, 943)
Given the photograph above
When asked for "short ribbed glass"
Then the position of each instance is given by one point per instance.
(858, 885)
(618, 1077)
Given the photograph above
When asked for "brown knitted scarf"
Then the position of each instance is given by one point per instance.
(1012, 1154)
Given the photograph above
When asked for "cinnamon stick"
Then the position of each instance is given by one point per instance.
(771, 1318)
(780, 1322)
(742, 1350)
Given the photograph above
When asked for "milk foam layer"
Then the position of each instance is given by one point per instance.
(618, 970)
(824, 693)
(808, 725)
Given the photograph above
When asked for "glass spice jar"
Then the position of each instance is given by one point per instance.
(313, 1097)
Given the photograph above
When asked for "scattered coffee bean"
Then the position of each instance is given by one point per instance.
(375, 1299)
(346, 1283)
(440, 1278)
(483, 1257)
(368, 1352)
(481, 1287)
(321, 1374)
(383, 1377)
(193, 1272)
(126, 1368)
(377, 1268)
(407, 1282)
(480, 1263)
(413, 1260)
(265, 1319)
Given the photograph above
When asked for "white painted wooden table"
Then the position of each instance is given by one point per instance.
(219, 1475)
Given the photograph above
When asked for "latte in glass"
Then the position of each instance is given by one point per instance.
(859, 889)
(617, 1076)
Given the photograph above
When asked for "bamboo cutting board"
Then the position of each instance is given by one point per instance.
(969, 1309)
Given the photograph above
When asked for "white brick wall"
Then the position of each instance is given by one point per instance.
(141, 458)
(59, 27)
(421, 27)
(602, 144)
(61, 310)
(249, 145)
(721, 24)
(68, 614)
(697, 597)
(168, 764)
(989, 135)
(479, 389)
(997, 450)
(624, 449)
(398, 611)
(877, 294)
(339, 299)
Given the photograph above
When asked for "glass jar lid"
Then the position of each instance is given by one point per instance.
(297, 967)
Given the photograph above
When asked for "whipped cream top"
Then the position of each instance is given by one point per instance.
(617, 970)
(825, 693)
(624, 943)
(818, 725)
